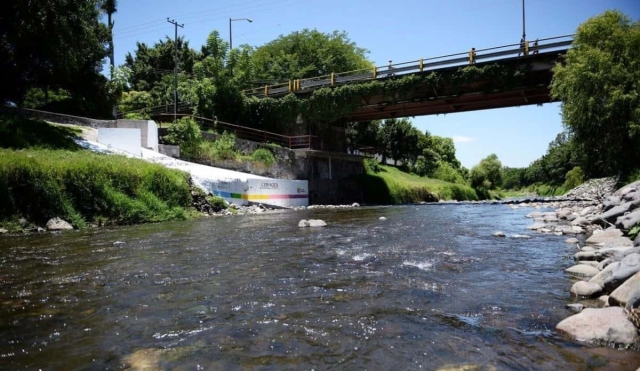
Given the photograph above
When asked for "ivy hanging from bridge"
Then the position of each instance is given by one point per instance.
(328, 105)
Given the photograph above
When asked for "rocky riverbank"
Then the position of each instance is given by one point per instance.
(607, 269)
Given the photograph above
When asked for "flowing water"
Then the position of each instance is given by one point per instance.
(428, 288)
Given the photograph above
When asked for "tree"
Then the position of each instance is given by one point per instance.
(399, 140)
(308, 53)
(52, 44)
(110, 7)
(600, 94)
(363, 135)
(486, 175)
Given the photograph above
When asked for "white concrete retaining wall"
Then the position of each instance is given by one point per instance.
(127, 140)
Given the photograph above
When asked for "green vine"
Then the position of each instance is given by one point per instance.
(328, 105)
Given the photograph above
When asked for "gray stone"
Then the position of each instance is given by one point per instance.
(23, 221)
(572, 217)
(609, 325)
(588, 248)
(587, 210)
(580, 221)
(622, 294)
(577, 230)
(613, 214)
(611, 202)
(3, 231)
(317, 223)
(57, 224)
(563, 213)
(587, 255)
(604, 299)
(633, 195)
(355, 204)
(536, 226)
(535, 214)
(572, 240)
(627, 267)
(382, 218)
(603, 236)
(499, 234)
(303, 223)
(586, 289)
(633, 300)
(545, 230)
(520, 236)
(616, 242)
(628, 221)
(604, 274)
(576, 307)
(636, 242)
(591, 263)
(582, 270)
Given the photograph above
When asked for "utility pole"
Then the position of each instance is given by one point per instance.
(231, 35)
(524, 35)
(175, 69)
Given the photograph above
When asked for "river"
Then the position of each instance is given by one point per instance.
(428, 288)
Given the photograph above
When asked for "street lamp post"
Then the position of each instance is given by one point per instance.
(524, 35)
(230, 34)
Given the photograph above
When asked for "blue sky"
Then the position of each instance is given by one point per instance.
(400, 30)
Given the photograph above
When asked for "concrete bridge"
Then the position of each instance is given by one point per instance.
(534, 60)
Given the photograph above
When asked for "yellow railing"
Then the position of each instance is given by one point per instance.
(417, 66)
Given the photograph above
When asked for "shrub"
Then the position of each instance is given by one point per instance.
(574, 178)
(263, 155)
(185, 132)
(137, 116)
(447, 173)
(218, 203)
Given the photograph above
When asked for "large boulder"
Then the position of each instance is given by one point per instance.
(586, 289)
(604, 274)
(633, 195)
(616, 242)
(582, 270)
(609, 325)
(603, 236)
(628, 221)
(611, 202)
(580, 221)
(633, 301)
(57, 224)
(616, 212)
(628, 266)
(623, 294)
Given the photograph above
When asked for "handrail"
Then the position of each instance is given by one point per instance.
(420, 65)
(261, 136)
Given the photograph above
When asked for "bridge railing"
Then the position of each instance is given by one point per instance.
(472, 56)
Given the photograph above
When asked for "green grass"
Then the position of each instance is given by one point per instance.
(388, 185)
(44, 174)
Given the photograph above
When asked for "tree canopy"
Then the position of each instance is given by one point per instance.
(308, 53)
(52, 44)
(599, 86)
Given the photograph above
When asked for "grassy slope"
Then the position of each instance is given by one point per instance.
(44, 174)
(392, 186)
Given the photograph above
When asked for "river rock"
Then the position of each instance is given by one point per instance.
(587, 210)
(588, 248)
(564, 213)
(604, 299)
(586, 289)
(536, 226)
(583, 270)
(585, 255)
(610, 325)
(355, 204)
(613, 214)
(628, 221)
(520, 236)
(633, 195)
(57, 224)
(317, 223)
(591, 263)
(382, 218)
(627, 267)
(610, 202)
(636, 242)
(580, 221)
(604, 274)
(499, 234)
(3, 231)
(303, 223)
(633, 301)
(535, 214)
(603, 236)
(571, 240)
(622, 294)
(576, 307)
(550, 218)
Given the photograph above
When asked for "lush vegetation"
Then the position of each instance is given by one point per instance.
(389, 185)
(44, 174)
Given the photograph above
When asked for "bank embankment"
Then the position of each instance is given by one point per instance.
(388, 185)
(44, 174)
(606, 291)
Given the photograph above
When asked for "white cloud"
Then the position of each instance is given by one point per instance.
(462, 139)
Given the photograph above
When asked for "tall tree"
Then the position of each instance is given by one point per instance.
(599, 86)
(399, 140)
(308, 53)
(51, 44)
(110, 7)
